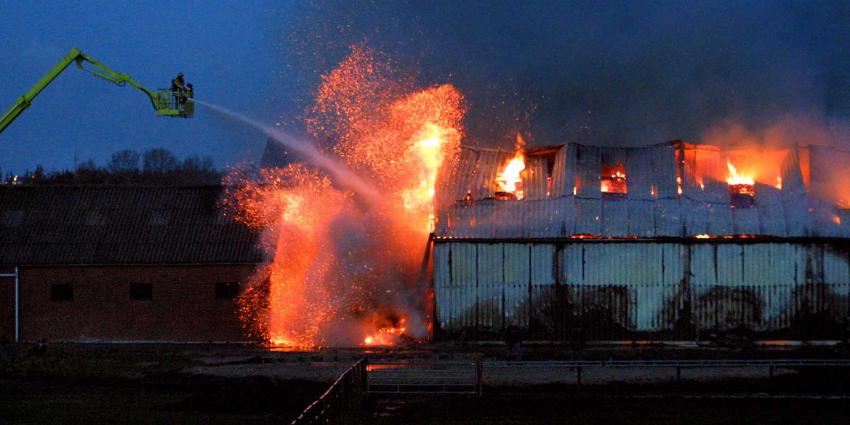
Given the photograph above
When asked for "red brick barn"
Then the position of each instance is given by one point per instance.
(121, 263)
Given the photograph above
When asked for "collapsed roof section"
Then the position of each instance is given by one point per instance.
(676, 189)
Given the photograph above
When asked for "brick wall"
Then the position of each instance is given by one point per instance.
(183, 306)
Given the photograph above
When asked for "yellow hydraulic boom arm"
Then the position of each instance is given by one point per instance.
(164, 101)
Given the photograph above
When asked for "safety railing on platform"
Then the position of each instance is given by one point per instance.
(340, 403)
(174, 103)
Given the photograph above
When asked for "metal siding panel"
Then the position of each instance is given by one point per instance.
(516, 306)
(535, 182)
(719, 219)
(836, 270)
(563, 178)
(695, 217)
(703, 270)
(588, 216)
(463, 264)
(573, 260)
(641, 218)
(771, 215)
(491, 269)
(674, 265)
(744, 221)
(668, 218)
(464, 280)
(442, 276)
(664, 171)
(542, 264)
(588, 167)
(615, 217)
(517, 257)
(640, 173)
(756, 260)
(443, 286)
(491, 264)
(618, 263)
(567, 209)
(729, 265)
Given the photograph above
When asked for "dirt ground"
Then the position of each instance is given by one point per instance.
(71, 384)
(222, 384)
(508, 406)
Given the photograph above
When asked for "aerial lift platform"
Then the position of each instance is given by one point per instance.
(165, 102)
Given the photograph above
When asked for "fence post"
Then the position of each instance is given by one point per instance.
(479, 378)
(364, 374)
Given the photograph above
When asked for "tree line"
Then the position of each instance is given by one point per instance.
(153, 166)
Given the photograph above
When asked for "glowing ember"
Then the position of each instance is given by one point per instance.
(509, 180)
(836, 219)
(702, 236)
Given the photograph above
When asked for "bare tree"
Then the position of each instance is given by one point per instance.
(159, 160)
(87, 165)
(124, 161)
(194, 163)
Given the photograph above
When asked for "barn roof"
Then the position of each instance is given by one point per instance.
(42, 224)
(670, 194)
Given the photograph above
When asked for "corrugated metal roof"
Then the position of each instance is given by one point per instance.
(653, 206)
(119, 225)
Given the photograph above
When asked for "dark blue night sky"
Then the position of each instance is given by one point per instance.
(622, 73)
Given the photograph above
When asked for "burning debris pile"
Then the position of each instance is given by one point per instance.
(346, 270)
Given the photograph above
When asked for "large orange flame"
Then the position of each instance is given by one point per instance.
(345, 273)
(735, 178)
(509, 179)
(429, 152)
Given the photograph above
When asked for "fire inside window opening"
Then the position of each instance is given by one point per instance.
(509, 180)
(613, 180)
(742, 189)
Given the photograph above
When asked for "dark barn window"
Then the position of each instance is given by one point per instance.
(226, 290)
(61, 292)
(141, 292)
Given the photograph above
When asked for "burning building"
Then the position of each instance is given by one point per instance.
(669, 241)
